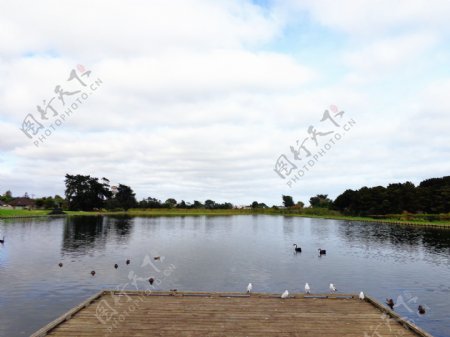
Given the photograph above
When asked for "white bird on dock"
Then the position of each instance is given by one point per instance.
(361, 295)
(332, 288)
(249, 288)
(307, 288)
(285, 294)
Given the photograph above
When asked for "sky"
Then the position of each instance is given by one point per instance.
(224, 100)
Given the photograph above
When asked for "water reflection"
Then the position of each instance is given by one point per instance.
(216, 254)
(405, 238)
(82, 234)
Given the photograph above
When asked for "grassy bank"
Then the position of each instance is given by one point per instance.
(307, 213)
(10, 213)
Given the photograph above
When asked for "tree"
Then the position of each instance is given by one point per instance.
(59, 201)
(6, 197)
(256, 205)
(150, 203)
(85, 192)
(346, 202)
(210, 204)
(49, 203)
(125, 197)
(39, 202)
(320, 200)
(288, 201)
(170, 203)
(300, 204)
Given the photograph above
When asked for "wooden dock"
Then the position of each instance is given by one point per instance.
(139, 313)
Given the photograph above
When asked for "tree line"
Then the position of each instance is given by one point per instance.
(431, 196)
(86, 193)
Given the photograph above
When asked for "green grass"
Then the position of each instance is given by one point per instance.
(5, 213)
(307, 213)
(368, 219)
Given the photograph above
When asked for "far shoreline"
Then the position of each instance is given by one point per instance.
(22, 214)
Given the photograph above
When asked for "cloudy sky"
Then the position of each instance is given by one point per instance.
(197, 99)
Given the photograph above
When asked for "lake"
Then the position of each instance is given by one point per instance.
(218, 253)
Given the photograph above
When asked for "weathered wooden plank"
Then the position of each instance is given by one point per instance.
(139, 313)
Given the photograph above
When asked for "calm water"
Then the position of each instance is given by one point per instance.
(218, 254)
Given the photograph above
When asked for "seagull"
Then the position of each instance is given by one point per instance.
(361, 295)
(332, 288)
(307, 288)
(421, 310)
(390, 303)
(285, 294)
(249, 288)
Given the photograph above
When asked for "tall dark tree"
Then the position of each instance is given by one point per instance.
(85, 193)
(125, 197)
(288, 201)
(210, 204)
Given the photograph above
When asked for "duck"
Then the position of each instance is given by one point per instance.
(332, 288)
(390, 303)
(307, 288)
(297, 249)
(361, 296)
(249, 288)
(2, 241)
(116, 266)
(128, 261)
(322, 251)
(93, 273)
(421, 310)
(285, 294)
(60, 265)
(151, 280)
(157, 258)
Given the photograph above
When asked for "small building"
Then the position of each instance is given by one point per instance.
(23, 203)
(4, 205)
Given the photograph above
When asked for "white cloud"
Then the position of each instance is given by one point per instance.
(388, 56)
(374, 18)
(197, 102)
